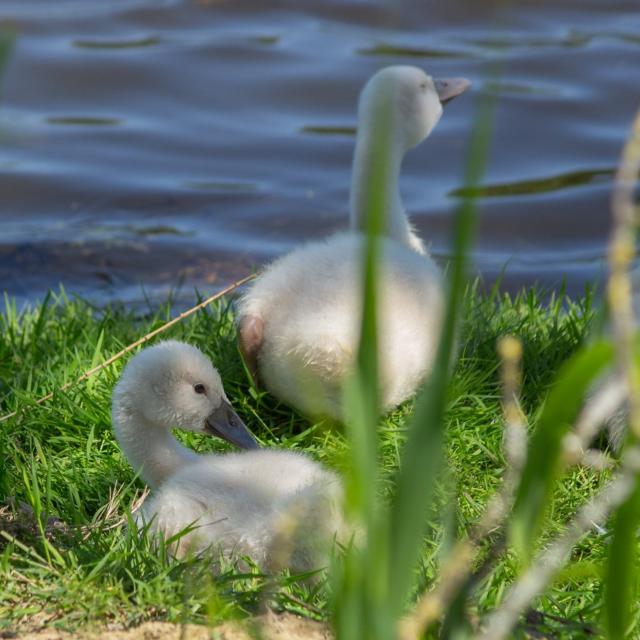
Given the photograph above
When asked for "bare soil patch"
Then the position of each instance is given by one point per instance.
(271, 626)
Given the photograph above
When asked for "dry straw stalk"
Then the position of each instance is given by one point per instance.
(131, 347)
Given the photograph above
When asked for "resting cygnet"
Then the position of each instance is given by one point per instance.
(299, 322)
(238, 504)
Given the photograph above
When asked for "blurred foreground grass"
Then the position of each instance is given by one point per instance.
(64, 561)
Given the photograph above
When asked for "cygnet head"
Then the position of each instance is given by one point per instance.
(172, 384)
(410, 97)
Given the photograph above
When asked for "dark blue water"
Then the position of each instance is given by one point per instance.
(147, 143)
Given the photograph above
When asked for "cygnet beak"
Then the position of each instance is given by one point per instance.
(225, 423)
(449, 88)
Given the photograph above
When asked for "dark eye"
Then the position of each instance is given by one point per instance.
(199, 388)
(423, 85)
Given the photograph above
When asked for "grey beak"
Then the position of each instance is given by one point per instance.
(449, 88)
(225, 423)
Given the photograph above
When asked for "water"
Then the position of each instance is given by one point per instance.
(147, 143)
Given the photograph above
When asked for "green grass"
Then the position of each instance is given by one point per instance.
(66, 558)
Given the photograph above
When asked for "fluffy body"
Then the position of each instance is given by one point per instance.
(271, 505)
(309, 301)
(299, 321)
(256, 503)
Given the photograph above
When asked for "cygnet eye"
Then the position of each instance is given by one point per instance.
(423, 85)
(199, 388)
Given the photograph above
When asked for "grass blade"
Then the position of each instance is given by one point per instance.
(360, 610)
(621, 578)
(543, 459)
(422, 453)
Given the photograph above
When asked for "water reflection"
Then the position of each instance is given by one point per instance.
(538, 185)
(83, 121)
(389, 50)
(329, 130)
(136, 43)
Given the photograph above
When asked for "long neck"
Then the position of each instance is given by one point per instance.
(152, 450)
(371, 173)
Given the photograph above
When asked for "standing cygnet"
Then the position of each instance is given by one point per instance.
(239, 503)
(299, 322)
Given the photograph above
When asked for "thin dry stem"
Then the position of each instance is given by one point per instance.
(500, 623)
(281, 549)
(515, 433)
(594, 513)
(597, 409)
(621, 254)
(107, 517)
(137, 343)
(459, 564)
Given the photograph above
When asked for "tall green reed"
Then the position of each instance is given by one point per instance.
(373, 583)
(554, 446)
(361, 590)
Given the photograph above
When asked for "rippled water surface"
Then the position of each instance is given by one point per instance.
(153, 142)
